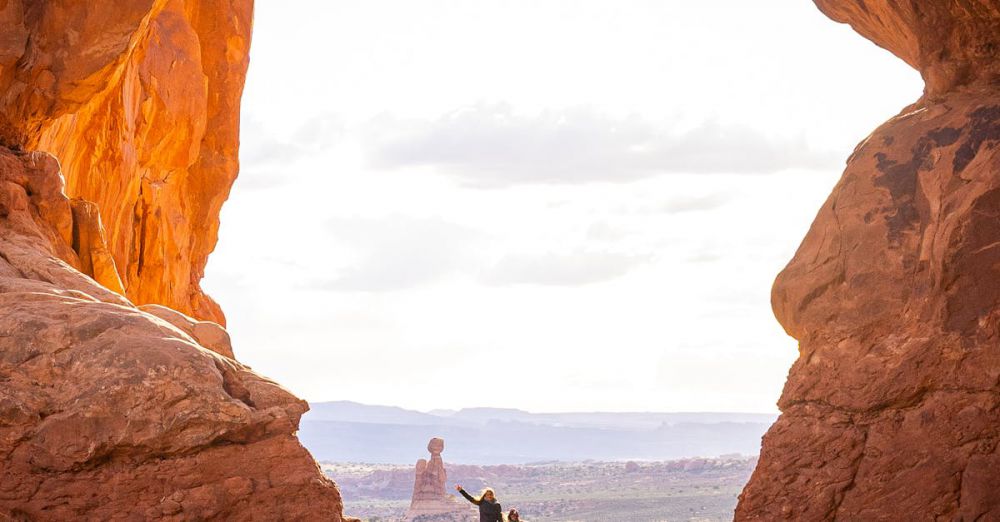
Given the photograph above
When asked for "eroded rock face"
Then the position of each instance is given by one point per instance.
(892, 410)
(108, 413)
(139, 101)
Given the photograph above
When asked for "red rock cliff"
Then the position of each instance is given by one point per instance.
(892, 410)
(109, 411)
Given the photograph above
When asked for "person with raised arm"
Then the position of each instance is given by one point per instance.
(489, 508)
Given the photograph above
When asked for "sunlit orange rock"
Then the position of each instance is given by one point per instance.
(90, 244)
(118, 138)
(892, 410)
(139, 101)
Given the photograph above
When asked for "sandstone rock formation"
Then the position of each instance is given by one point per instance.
(430, 503)
(139, 100)
(892, 410)
(109, 411)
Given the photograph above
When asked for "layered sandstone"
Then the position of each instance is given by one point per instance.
(892, 410)
(108, 410)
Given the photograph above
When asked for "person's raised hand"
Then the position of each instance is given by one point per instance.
(458, 488)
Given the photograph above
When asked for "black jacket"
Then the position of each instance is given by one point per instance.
(488, 511)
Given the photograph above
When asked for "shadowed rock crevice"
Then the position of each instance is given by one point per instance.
(232, 385)
(90, 245)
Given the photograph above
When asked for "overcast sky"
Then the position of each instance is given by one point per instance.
(548, 205)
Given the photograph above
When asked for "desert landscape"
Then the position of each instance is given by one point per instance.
(125, 397)
(542, 464)
(689, 490)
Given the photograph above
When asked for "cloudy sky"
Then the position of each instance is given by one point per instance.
(549, 205)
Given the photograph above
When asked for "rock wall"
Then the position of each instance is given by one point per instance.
(118, 141)
(110, 413)
(892, 410)
(139, 100)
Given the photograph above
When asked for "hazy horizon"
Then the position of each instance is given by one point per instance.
(349, 432)
(435, 411)
(559, 206)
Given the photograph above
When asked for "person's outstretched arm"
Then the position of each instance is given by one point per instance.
(467, 496)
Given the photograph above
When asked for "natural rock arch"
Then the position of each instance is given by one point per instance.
(892, 407)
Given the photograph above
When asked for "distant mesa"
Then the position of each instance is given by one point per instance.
(430, 503)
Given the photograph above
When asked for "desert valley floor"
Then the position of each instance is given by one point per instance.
(686, 490)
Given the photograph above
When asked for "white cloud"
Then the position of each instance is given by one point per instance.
(716, 87)
(398, 252)
(561, 269)
(267, 156)
(403, 252)
(492, 145)
(680, 204)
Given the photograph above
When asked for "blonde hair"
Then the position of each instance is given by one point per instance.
(483, 493)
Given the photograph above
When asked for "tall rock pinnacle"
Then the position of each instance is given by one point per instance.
(430, 503)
